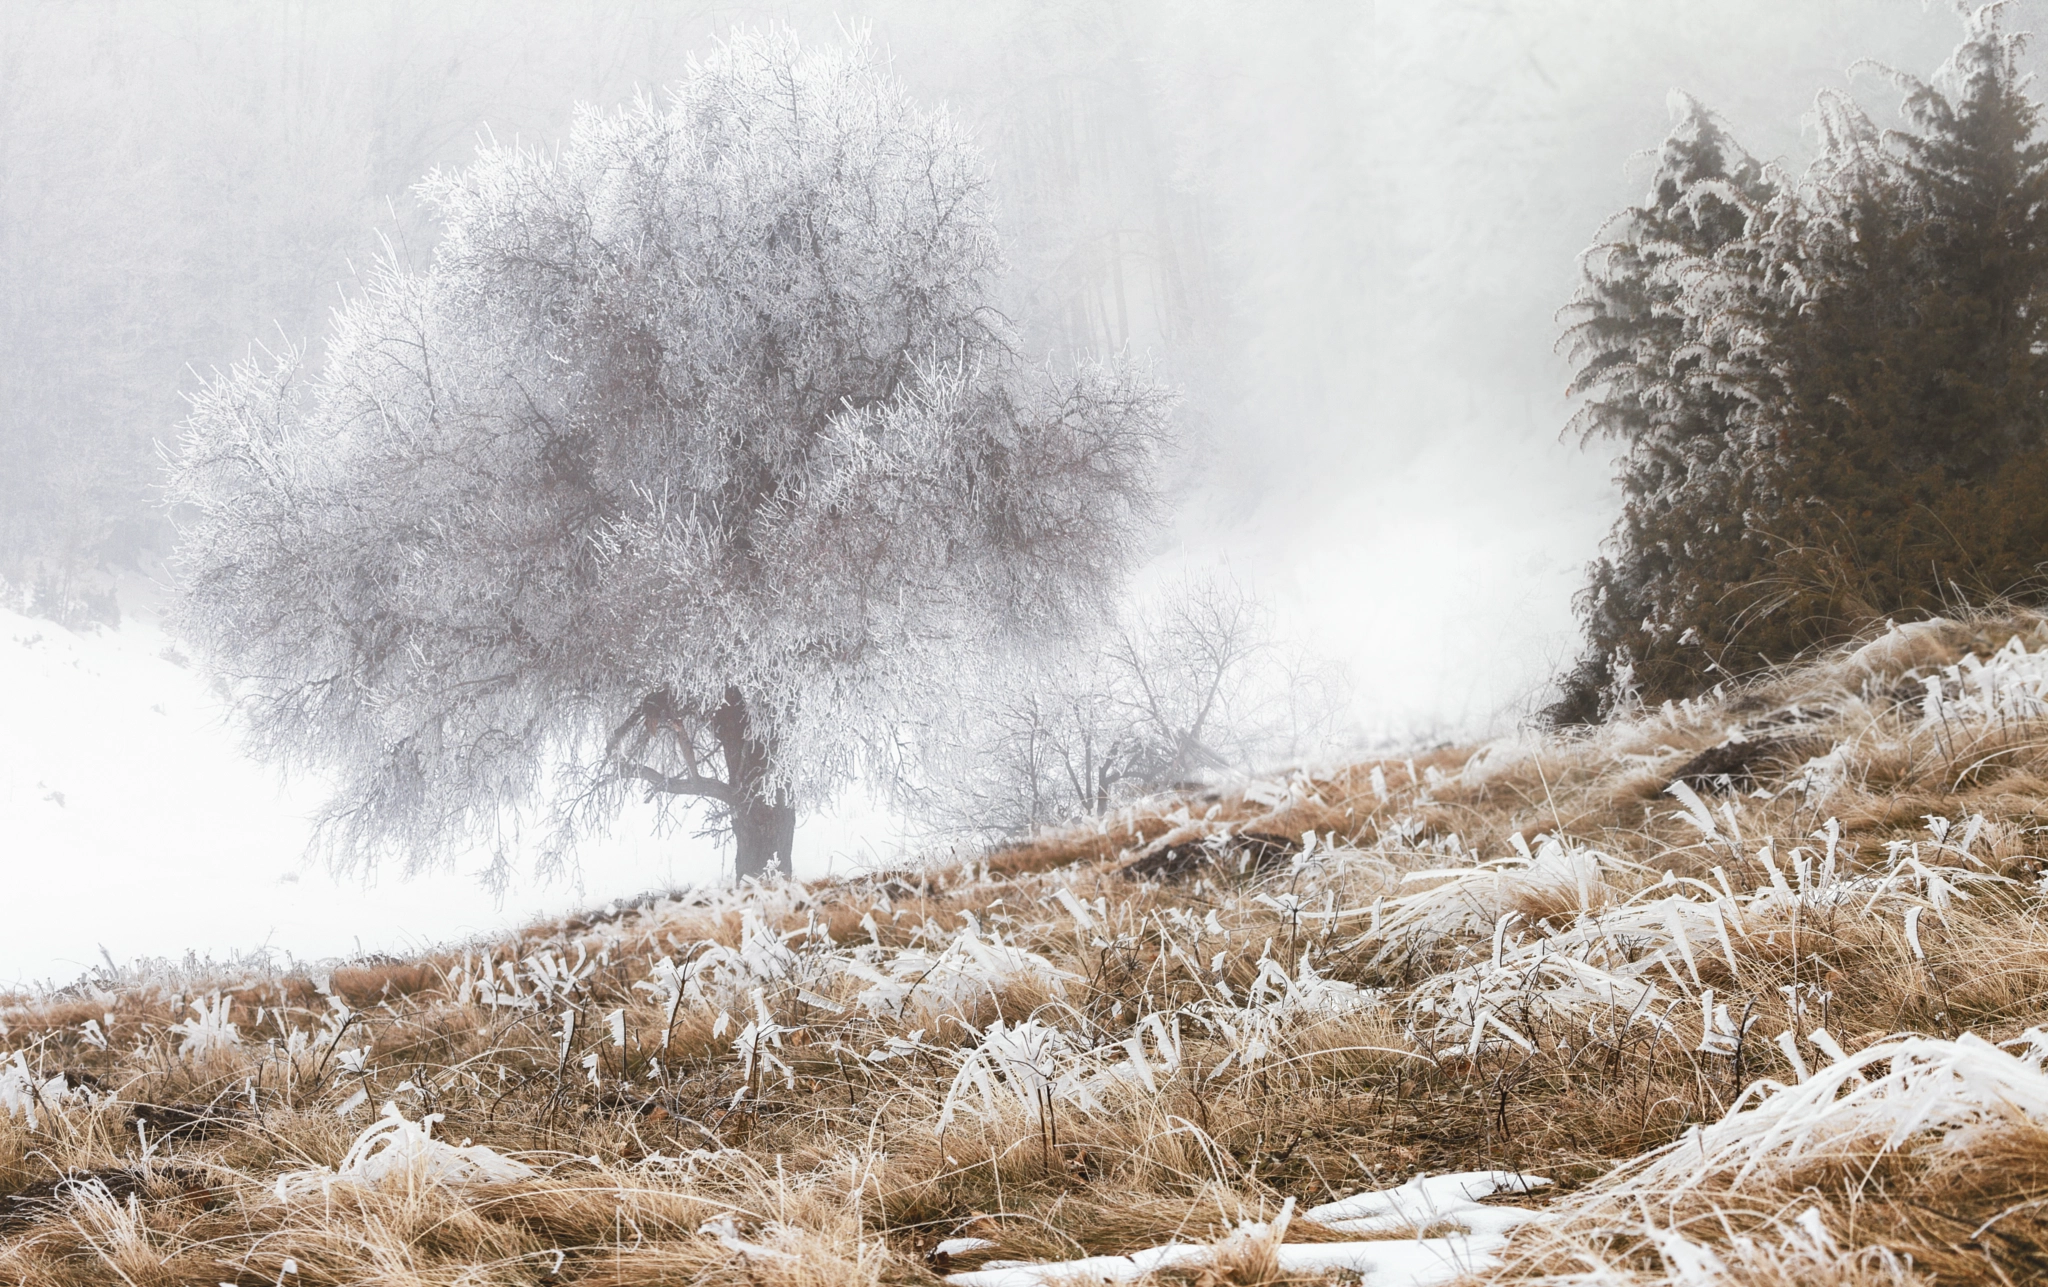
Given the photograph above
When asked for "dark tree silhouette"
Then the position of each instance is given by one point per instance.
(1832, 396)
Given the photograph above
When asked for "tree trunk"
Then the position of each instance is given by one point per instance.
(763, 827)
(763, 833)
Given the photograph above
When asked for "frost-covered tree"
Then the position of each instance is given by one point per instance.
(696, 450)
(1651, 359)
(1832, 395)
(1915, 364)
(1192, 684)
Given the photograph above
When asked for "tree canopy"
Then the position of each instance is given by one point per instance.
(698, 442)
(1831, 394)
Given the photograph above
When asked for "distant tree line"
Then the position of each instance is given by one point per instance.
(1830, 392)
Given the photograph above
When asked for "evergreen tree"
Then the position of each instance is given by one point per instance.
(1654, 380)
(1916, 369)
(1835, 413)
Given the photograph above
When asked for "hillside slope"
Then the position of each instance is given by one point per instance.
(1742, 990)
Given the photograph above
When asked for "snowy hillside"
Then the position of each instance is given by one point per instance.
(121, 786)
(1739, 992)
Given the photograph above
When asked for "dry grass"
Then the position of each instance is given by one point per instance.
(1473, 968)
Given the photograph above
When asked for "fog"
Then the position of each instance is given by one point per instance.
(1341, 229)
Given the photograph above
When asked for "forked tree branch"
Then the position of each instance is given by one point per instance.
(691, 783)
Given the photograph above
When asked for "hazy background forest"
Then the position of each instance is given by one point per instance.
(1341, 230)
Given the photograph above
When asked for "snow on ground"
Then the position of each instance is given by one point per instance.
(131, 822)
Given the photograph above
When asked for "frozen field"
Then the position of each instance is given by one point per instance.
(122, 790)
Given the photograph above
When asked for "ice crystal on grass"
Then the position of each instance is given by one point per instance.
(22, 1092)
(1880, 1097)
(208, 1030)
(396, 1151)
(968, 966)
(1033, 1063)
